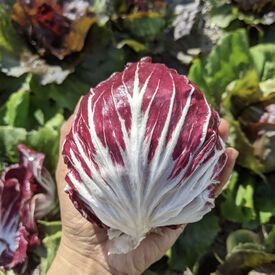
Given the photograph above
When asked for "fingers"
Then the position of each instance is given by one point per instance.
(224, 129)
(66, 127)
(224, 176)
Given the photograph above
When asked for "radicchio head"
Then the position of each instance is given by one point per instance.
(143, 152)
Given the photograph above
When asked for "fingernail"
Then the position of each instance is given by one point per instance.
(233, 152)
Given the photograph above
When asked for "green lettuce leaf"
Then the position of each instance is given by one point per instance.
(226, 62)
(194, 242)
(17, 109)
(46, 140)
(52, 236)
(9, 138)
(238, 204)
(264, 59)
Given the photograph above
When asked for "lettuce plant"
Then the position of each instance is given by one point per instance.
(144, 152)
(27, 193)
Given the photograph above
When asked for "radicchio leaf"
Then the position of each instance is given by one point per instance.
(53, 27)
(26, 194)
(143, 152)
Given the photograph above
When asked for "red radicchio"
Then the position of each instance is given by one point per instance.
(26, 193)
(143, 152)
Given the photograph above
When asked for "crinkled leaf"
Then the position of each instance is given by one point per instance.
(244, 257)
(191, 245)
(227, 62)
(59, 96)
(268, 87)
(264, 59)
(238, 139)
(270, 241)
(222, 13)
(9, 138)
(145, 26)
(9, 39)
(46, 140)
(264, 148)
(101, 59)
(238, 205)
(255, 6)
(11, 46)
(241, 236)
(223, 10)
(239, 95)
(16, 60)
(26, 193)
(264, 198)
(242, 93)
(52, 232)
(17, 109)
(59, 30)
(51, 243)
(196, 74)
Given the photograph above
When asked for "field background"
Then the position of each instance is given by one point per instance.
(226, 47)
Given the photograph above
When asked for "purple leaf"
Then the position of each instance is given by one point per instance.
(26, 193)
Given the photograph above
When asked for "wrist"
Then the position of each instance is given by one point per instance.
(70, 261)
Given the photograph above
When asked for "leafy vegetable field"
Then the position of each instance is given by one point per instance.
(53, 52)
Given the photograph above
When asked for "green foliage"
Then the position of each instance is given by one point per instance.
(238, 204)
(145, 26)
(52, 236)
(225, 63)
(199, 236)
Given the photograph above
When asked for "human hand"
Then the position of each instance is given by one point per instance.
(84, 246)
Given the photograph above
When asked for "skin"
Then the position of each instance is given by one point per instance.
(84, 246)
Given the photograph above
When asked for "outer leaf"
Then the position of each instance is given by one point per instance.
(264, 198)
(9, 138)
(145, 26)
(9, 40)
(197, 75)
(101, 60)
(240, 94)
(239, 202)
(46, 140)
(52, 233)
(245, 257)
(239, 237)
(264, 59)
(227, 62)
(59, 30)
(16, 60)
(27, 192)
(222, 13)
(17, 109)
(270, 241)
